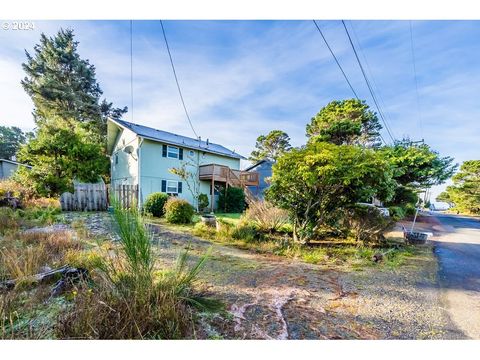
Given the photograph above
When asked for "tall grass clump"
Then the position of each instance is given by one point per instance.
(135, 241)
(132, 298)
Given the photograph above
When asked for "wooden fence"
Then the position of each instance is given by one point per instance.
(85, 197)
(95, 197)
(127, 195)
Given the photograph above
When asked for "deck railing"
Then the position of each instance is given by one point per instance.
(225, 174)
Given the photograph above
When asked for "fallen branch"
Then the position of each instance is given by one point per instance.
(66, 276)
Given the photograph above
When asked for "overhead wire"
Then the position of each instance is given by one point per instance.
(375, 86)
(340, 67)
(369, 86)
(176, 80)
(336, 60)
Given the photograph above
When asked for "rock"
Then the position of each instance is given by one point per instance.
(209, 220)
(377, 257)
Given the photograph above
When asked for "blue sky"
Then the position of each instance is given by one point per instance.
(241, 79)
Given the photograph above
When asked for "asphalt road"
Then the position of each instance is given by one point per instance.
(458, 251)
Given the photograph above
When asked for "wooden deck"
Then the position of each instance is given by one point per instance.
(221, 173)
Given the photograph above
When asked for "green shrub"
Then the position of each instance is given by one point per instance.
(178, 211)
(42, 215)
(368, 224)
(155, 204)
(203, 202)
(231, 199)
(397, 212)
(224, 230)
(409, 209)
(246, 232)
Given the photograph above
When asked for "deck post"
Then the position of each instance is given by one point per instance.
(226, 188)
(212, 191)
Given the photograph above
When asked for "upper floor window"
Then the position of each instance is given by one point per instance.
(173, 152)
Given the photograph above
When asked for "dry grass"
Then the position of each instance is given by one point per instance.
(130, 299)
(23, 254)
(9, 221)
(42, 203)
(265, 216)
(56, 242)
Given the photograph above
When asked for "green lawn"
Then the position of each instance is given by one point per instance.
(232, 218)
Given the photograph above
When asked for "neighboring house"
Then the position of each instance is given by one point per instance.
(143, 156)
(8, 167)
(264, 170)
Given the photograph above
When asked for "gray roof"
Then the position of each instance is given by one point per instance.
(179, 140)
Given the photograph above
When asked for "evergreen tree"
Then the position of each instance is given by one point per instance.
(70, 141)
(271, 146)
(62, 151)
(345, 122)
(464, 193)
(63, 84)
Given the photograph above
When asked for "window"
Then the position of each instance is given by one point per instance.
(172, 186)
(116, 159)
(191, 153)
(173, 152)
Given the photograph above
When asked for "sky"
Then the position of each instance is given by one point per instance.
(241, 79)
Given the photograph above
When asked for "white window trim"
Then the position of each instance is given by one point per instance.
(175, 149)
(174, 186)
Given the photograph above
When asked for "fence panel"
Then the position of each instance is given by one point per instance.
(126, 195)
(85, 197)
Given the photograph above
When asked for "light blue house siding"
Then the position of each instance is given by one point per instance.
(154, 168)
(140, 157)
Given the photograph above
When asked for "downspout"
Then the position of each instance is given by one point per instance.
(139, 157)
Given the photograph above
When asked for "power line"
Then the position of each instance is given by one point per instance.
(131, 65)
(336, 60)
(375, 86)
(419, 115)
(368, 84)
(176, 79)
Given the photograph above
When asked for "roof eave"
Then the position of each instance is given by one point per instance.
(236, 156)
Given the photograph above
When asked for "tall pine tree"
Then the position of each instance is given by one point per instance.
(70, 139)
(63, 84)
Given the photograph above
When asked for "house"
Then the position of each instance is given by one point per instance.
(8, 167)
(144, 156)
(264, 170)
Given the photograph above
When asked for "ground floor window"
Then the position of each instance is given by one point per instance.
(172, 186)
